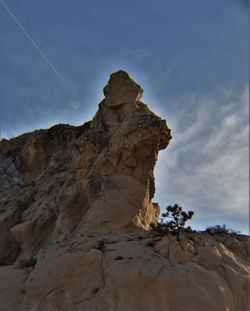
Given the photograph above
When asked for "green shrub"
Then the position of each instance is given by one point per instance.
(176, 224)
(221, 229)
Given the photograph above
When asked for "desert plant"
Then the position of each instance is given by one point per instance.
(176, 224)
(221, 229)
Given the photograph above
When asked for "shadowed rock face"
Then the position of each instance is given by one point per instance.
(75, 206)
(97, 177)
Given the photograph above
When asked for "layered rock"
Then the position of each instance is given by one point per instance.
(75, 210)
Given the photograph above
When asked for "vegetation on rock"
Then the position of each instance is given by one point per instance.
(219, 229)
(177, 223)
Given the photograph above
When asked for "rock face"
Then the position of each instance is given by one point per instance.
(96, 178)
(136, 271)
(75, 212)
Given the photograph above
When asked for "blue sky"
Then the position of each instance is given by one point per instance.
(191, 58)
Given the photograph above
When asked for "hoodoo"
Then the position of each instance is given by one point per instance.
(97, 177)
(75, 214)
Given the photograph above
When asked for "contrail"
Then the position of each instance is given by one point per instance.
(32, 41)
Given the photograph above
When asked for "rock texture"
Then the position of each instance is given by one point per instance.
(136, 271)
(96, 177)
(75, 212)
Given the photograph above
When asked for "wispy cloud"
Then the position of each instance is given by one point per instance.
(206, 166)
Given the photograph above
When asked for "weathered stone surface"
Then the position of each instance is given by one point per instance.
(12, 288)
(9, 248)
(96, 177)
(75, 209)
(125, 272)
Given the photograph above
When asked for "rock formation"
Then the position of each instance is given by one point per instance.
(75, 213)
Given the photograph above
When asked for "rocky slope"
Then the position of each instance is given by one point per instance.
(75, 213)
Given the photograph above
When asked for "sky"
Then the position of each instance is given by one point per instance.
(191, 58)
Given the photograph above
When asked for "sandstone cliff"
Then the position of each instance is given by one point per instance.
(75, 213)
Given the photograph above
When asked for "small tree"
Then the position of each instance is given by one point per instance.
(179, 218)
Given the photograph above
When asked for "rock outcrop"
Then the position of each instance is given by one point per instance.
(75, 213)
(96, 178)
